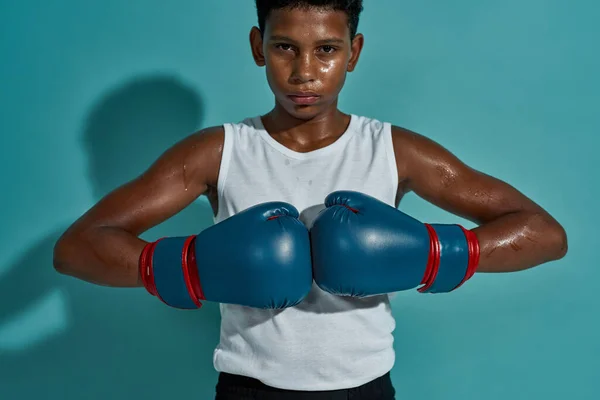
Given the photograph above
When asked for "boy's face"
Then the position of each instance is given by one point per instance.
(307, 54)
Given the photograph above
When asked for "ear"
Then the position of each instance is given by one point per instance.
(356, 48)
(256, 46)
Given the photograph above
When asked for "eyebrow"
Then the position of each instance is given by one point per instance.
(320, 42)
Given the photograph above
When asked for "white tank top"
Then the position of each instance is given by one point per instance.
(326, 342)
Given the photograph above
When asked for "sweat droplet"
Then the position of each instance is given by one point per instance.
(185, 181)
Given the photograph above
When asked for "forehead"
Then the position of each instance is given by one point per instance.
(307, 23)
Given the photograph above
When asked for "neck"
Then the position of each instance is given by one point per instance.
(306, 134)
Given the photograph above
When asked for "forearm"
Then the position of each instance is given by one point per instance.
(519, 241)
(104, 256)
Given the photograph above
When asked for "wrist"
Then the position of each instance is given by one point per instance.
(145, 270)
(187, 264)
(453, 258)
(474, 255)
(190, 271)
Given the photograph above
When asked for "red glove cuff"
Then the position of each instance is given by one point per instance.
(433, 263)
(190, 275)
(474, 255)
(146, 268)
(189, 272)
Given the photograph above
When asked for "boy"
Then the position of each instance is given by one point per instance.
(283, 337)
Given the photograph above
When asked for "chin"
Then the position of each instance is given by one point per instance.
(305, 112)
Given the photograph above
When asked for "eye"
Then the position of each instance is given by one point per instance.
(328, 49)
(283, 46)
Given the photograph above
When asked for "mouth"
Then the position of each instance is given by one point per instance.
(304, 97)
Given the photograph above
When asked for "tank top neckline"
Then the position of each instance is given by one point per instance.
(327, 150)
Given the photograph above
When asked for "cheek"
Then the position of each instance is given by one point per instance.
(332, 66)
(278, 70)
(334, 71)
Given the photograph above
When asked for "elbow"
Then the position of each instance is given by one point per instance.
(555, 240)
(561, 242)
(550, 236)
(58, 256)
(62, 254)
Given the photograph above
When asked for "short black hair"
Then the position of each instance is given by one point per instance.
(352, 8)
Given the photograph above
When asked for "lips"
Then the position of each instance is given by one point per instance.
(304, 97)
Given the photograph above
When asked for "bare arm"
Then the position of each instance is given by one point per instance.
(514, 232)
(103, 245)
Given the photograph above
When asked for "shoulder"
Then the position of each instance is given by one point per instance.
(412, 145)
(205, 142)
(417, 155)
(198, 155)
(209, 139)
(407, 140)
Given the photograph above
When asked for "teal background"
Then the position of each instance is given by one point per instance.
(92, 92)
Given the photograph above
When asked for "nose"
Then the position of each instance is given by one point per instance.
(304, 69)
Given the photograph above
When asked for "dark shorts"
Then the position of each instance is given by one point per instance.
(234, 387)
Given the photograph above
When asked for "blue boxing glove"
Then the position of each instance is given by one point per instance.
(259, 258)
(363, 247)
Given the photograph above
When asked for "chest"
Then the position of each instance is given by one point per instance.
(258, 178)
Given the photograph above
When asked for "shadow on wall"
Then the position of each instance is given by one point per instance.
(61, 338)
